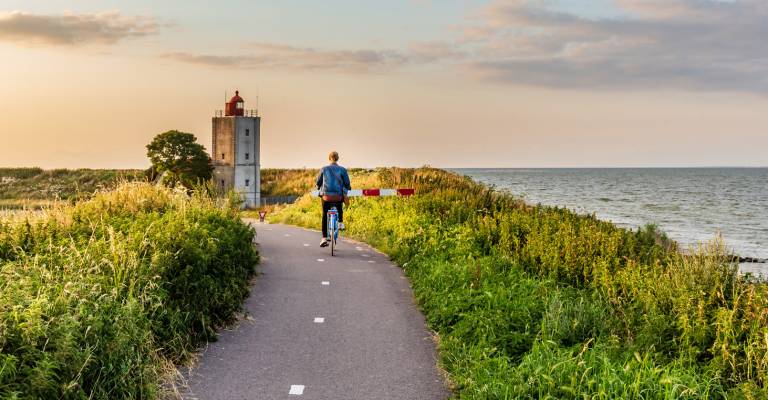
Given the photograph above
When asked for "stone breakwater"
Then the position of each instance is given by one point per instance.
(751, 260)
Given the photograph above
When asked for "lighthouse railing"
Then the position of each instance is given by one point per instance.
(246, 113)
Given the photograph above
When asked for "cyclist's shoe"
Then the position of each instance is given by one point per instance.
(341, 226)
(324, 242)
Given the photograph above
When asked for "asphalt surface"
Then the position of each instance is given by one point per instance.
(372, 342)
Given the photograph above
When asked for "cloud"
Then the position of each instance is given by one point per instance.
(73, 29)
(434, 52)
(715, 45)
(267, 55)
(683, 44)
(271, 55)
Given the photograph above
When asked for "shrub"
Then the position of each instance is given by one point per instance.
(98, 299)
(540, 302)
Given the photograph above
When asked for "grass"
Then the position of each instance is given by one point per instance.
(26, 204)
(35, 188)
(287, 182)
(296, 182)
(541, 303)
(99, 299)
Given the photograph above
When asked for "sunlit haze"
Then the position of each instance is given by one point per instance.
(447, 83)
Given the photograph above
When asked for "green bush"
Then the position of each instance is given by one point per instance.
(99, 299)
(539, 302)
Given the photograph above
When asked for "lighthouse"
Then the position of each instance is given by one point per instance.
(235, 150)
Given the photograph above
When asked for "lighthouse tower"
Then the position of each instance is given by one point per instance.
(235, 150)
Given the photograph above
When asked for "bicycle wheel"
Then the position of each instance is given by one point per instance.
(332, 237)
(331, 230)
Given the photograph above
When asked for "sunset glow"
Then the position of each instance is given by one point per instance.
(507, 83)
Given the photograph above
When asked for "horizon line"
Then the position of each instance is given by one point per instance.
(441, 167)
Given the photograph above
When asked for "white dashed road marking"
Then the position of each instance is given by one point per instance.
(366, 255)
(325, 283)
(297, 389)
(371, 261)
(320, 259)
(287, 234)
(306, 244)
(319, 320)
(358, 248)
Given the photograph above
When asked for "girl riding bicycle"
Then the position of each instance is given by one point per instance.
(333, 183)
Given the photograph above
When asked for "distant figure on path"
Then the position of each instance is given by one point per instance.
(333, 183)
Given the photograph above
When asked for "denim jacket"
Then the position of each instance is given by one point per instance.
(333, 180)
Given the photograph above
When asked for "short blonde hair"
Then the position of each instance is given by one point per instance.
(333, 156)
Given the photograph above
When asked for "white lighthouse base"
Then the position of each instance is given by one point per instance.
(250, 200)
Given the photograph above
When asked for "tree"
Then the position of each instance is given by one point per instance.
(179, 158)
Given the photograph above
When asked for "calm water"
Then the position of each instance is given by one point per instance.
(690, 204)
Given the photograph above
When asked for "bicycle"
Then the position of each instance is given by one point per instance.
(333, 228)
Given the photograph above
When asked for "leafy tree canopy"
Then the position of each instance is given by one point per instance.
(179, 158)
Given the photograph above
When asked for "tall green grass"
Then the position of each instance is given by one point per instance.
(539, 302)
(100, 299)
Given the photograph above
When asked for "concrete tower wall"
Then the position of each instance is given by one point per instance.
(247, 165)
(235, 154)
(223, 152)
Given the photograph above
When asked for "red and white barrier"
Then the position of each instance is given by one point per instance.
(375, 192)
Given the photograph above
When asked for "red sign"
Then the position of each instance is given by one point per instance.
(262, 214)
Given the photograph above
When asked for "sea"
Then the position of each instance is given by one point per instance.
(692, 205)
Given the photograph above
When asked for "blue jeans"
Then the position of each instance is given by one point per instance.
(327, 205)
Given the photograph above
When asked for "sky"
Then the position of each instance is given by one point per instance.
(495, 83)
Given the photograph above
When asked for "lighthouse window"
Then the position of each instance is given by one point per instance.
(222, 183)
(247, 156)
(222, 156)
(247, 182)
(247, 132)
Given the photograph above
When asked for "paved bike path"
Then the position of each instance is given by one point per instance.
(372, 342)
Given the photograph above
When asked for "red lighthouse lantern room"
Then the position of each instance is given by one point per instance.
(235, 107)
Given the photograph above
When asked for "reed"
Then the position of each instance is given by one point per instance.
(539, 302)
(99, 299)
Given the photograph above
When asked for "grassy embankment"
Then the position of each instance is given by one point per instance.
(287, 182)
(295, 182)
(99, 299)
(538, 302)
(290, 182)
(37, 188)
